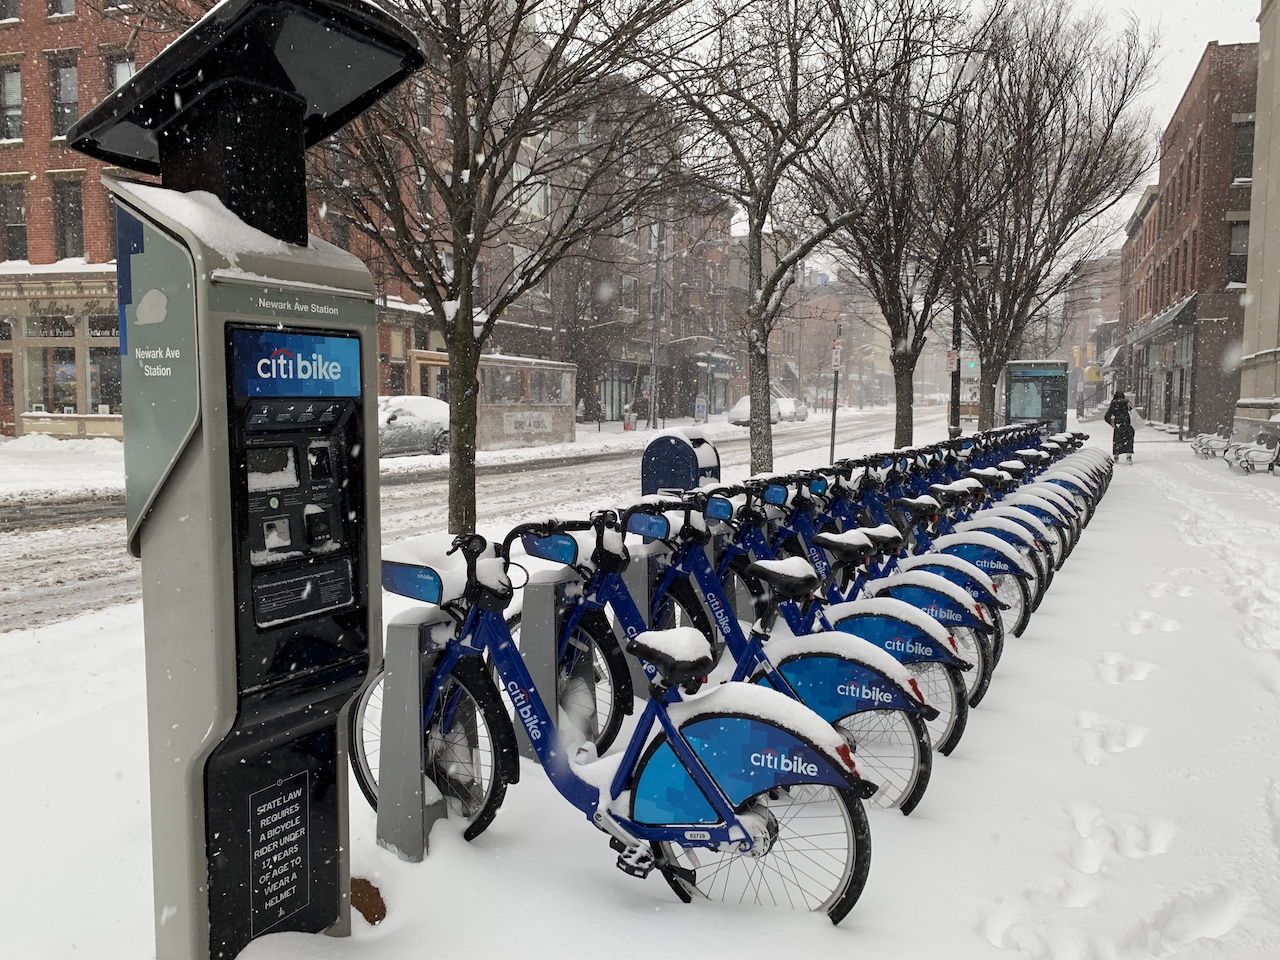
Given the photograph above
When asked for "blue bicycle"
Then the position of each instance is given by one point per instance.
(738, 794)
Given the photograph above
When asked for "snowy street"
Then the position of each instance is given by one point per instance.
(1115, 797)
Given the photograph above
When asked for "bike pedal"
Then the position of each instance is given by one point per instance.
(636, 861)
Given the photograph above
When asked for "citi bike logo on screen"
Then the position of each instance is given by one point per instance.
(283, 365)
(276, 363)
(771, 759)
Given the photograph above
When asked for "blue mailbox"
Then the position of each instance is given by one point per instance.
(678, 459)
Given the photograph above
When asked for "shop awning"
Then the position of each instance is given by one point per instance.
(1110, 360)
(1160, 327)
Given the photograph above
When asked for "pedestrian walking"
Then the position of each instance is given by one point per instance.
(1120, 416)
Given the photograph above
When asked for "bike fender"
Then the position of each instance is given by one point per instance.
(1000, 527)
(989, 554)
(941, 606)
(1021, 516)
(897, 627)
(960, 572)
(750, 739)
(837, 674)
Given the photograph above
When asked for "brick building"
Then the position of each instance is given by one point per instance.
(1091, 302)
(59, 351)
(1183, 264)
(1260, 363)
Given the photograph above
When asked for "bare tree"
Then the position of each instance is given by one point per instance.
(528, 135)
(1061, 98)
(761, 93)
(890, 161)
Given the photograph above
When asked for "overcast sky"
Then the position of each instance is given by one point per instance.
(1186, 28)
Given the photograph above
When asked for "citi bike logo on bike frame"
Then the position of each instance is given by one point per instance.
(898, 645)
(520, 700)
(862, 691)
(771, 759)
(718, 611)
(943, 613)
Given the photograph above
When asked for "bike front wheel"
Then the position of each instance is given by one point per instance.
(592, 680)
(976, 648)
(943, 689)
(814, 854)
(1013, 590)
(892, 749)
(462, 742)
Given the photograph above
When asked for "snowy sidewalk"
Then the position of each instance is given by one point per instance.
(1116, 796)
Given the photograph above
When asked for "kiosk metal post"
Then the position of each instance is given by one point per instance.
(249, 370)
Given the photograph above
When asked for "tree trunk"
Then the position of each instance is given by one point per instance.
(758, 379)
(904, 367)
(464, 392)
(987, 395)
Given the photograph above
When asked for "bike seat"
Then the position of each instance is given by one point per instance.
(885, 536)
(791, 579)
(1015, 468)
(918, 508)
(852, 546)
(1035, 456)
(681, 655)
(949, 494)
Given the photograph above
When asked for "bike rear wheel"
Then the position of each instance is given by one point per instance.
(943, 689)
(817, 860)
(892, 749)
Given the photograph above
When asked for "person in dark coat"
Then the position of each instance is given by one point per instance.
(1120, 416)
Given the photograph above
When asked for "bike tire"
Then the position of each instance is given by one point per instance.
(1014, 591)
(597, 722)
(976, 648)
(681, 608)
(892, 749)
(475, 738)
(818, 861)
(996, 619)
(943, 689)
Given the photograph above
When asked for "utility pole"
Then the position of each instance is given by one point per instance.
(835, 384)
(659, 270)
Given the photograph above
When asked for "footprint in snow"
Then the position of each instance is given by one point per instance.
(1117, 668)
(1073, 892)
(1206, 913)
(1101, 736)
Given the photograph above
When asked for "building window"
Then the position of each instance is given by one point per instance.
(66, 98)
(51, 379)
(68, 219)
(8, 9)
(104, 380)
(107, 325)
(627, 293)
(13, 201)
(61, 7)
(340, 232)
(50, 327)
(1238, 260)
(11, 103)
(119, 70)
(1242, 155)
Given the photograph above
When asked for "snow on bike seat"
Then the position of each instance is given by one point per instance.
(792, 578)
(679, 654)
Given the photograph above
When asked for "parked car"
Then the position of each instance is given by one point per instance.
(793, 409)
(412, 425)
(740, 412)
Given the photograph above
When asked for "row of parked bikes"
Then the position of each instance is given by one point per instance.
(808, 642)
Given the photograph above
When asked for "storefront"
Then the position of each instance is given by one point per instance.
(60, 352)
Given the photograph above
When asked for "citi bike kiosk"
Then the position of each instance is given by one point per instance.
(249, 366)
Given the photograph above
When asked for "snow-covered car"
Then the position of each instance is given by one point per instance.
(740, 412)
(793, 409)
(412, 425)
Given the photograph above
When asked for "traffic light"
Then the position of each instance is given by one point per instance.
(1075, 351)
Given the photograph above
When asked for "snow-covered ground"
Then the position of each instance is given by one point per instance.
(1116, 796)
